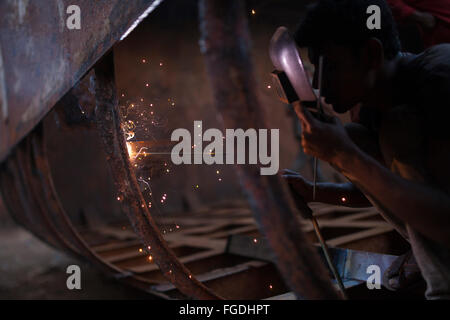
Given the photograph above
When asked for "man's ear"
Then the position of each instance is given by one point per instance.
(373, 53)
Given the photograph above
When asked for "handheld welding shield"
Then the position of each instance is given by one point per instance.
(289, 77)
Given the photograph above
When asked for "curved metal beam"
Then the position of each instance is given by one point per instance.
(225, 43)
(129, 194)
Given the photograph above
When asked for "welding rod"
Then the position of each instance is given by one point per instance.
(307, 213)
(326, 252)
(322, 242)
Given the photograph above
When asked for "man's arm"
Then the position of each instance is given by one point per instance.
(344, 194)
(424, 208)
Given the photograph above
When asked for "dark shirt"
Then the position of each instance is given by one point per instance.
(422, 82)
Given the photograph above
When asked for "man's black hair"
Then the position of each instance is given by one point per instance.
(344, 22)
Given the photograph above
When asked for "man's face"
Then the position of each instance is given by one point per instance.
(343, 78)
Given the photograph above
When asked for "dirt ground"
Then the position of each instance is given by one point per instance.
(31, 269)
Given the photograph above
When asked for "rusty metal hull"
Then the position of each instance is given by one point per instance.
(129, 194)
(41, 59)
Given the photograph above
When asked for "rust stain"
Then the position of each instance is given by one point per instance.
(22, 9)
(40, 59)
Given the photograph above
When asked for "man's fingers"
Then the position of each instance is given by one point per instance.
(304, 115)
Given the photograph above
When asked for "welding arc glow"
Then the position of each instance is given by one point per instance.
(140, 151)
(140, 18)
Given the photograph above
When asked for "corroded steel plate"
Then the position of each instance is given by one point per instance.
(41, 59)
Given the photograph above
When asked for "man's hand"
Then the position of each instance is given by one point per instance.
(342, 194)
(300, 185)
(328, 141)
(425, 19)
